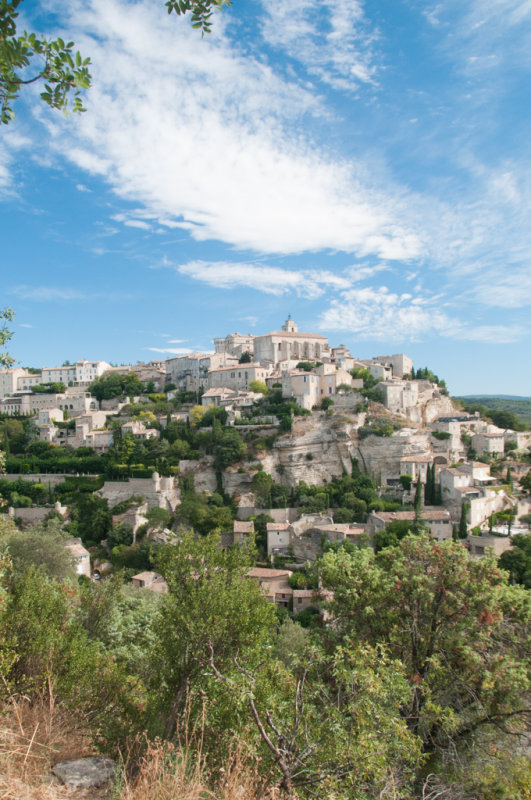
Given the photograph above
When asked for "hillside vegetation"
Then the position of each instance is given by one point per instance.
(519, 406)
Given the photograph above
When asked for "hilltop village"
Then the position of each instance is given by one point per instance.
(313, 569)
(262, 432)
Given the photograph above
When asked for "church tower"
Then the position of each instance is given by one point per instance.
(290, 326)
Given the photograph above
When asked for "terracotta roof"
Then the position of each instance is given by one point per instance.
(264, 573)
(420, 459)
(428, 512)
(278, 526)
(146, 576)
(287, 334)
(243, 527)
(251, 365)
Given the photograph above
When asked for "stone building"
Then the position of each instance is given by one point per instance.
(236, 344)
(290, 344)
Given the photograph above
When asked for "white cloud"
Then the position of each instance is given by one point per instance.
(138, 223)
(176, 351)
(309, 284)
(25, 325)
(485, 34)
(331, 38)
(379, 314)
(82, 188)
(48, 293)
(211, 141)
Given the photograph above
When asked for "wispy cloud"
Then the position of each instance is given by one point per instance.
(331, 38)
(138, 223)
(309, 284)
(48, 293)
(176, 351)
(156, 136)
(380, 314)
(25, 325)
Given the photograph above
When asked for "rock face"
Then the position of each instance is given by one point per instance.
(316, 451)
(380, 455)
(86, 773)
(159, 492)
(203, 472)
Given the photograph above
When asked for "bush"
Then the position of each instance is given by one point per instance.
(441, 435)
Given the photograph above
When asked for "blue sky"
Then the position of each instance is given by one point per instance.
(364, 166)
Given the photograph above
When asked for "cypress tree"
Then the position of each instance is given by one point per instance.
(463, 531)
(428, 499)
(418, 525)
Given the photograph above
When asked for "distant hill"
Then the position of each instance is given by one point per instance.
(521, 406)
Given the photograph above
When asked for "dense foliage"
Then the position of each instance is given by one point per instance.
(419, 681)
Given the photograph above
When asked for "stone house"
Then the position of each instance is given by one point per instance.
(274, 584)
(235, 344)
(220, 396)
(381, 372)
(278, 536)
(80, 556)
(304, 598)
(437, 519)
(416, 465)
(242, 530)
(479, 544)
(489, 443)
(304, 387)
(330, 377)
(151, 581)
(190, 372)
(399, 363)
(138, 430)
(237, 376)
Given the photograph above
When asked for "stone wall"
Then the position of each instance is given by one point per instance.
(158, 492)
(40, 477)
(28, 516)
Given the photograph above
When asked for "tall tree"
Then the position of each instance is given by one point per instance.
(463, 524)
(211, 610)
(460, 631)
(6, 315)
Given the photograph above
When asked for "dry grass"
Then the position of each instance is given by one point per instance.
(167, 772)
(34, 737)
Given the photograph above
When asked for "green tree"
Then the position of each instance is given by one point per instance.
(457, 627)
(245, 358)
(517, 561)
(201, 11)
(211, 608)
(42, 546)
(229, 449)
(463, 524)
(27, 58)
(261, 486)
(6, 314)
(259, 387)
(405, 482)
